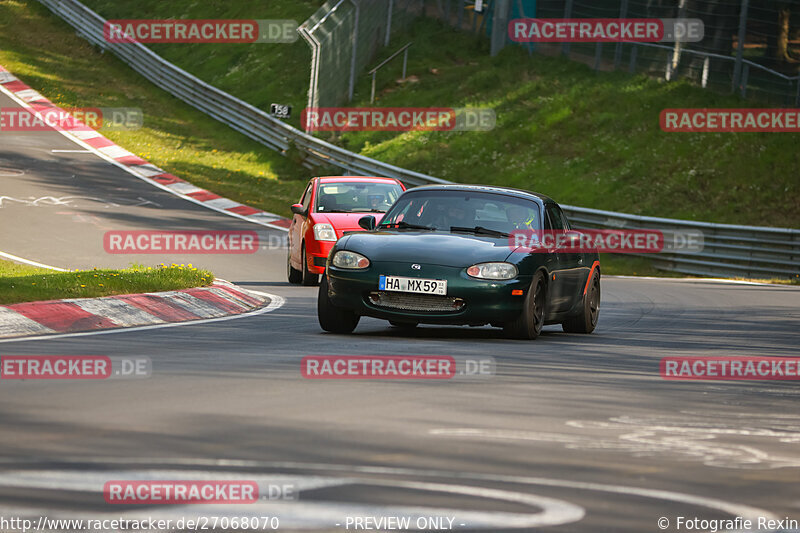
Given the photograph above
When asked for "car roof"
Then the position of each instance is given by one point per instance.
(362, 179)
(519, 193)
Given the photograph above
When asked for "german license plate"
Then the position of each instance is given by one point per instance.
(418, 285)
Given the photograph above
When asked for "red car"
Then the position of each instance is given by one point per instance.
(330, 208)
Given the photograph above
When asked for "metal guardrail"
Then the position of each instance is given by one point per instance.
(729, 250)
(239, 115)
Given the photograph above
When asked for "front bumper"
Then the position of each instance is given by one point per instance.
(317, 255)
(484, 302)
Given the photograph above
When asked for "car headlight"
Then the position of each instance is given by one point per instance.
(493, 271)
(324, 232)
(351, 260)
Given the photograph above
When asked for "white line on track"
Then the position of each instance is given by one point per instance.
(703, 280)
(132, 172)
(537, 511)
(276, 302)
(731, 508)
(29, 262)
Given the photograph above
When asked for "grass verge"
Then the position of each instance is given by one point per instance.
(582, 137)
(46, 54)
(20, 283)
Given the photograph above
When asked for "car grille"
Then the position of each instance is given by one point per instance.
(416, 302)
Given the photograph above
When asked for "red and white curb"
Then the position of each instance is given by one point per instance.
(221, 299)
(135, 165)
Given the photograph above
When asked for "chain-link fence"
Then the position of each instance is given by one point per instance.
(751, 47)
(344, 36)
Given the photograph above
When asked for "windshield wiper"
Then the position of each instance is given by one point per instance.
(479, 230)
(405, 225)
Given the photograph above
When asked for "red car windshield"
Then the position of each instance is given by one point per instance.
(356, 197)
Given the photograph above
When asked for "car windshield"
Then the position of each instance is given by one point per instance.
(463, 211)
(356, 197)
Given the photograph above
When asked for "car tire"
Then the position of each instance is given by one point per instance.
(309, 278)
(292, 274)
(331, 317)
(404, 325)
(586, 319)
(529, 324)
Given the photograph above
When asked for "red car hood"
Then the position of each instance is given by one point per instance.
(342, 222)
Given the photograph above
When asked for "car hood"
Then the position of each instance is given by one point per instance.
(426, 247)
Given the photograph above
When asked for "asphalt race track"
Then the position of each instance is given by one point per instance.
(573, 433)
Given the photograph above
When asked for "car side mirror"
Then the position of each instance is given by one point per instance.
(367, 222)
(298, 209)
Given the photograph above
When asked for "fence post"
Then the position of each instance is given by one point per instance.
(389, 22)
(461, 14)
(745, 76)
(567, 14)
(706, 67)
(502, 8)
(676, 52)
(405, 63)
(521, 9)
(737, 69)
(632, 63)
(598, 55)
(797, 94)
(354, 55)
(623, 12)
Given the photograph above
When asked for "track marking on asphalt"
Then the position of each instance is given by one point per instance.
(136, 174)
(29, 262)
(71, 151)
(703, 280)
(689, 437)
(276, 302)
(49, 201)
(730, 508)
(303, 513)
(10, 172)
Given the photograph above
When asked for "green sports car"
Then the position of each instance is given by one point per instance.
(444, 254)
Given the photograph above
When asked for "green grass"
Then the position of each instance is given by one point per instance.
(582, 137)
(20, 283)
(47, 55)
(260, 74)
